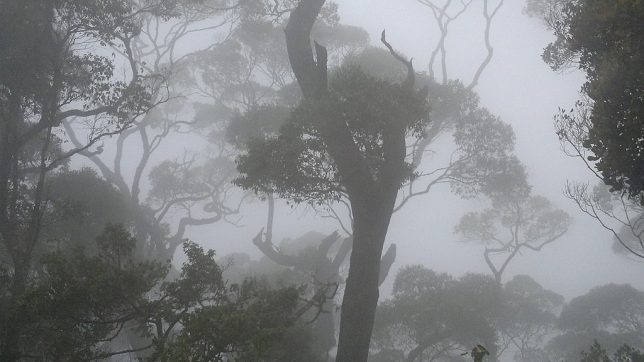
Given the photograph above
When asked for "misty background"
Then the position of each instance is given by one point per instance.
(523, 91)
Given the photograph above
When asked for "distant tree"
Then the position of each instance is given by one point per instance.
(595, 354)
(624, 354)
(516, 221)
(431, 316)
(611, 314)
(528, 318)
(619, 214)
(448, 11)
(169, 196)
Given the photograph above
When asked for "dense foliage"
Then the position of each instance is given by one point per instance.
(605, 40)
(81, 305)
(86, 252)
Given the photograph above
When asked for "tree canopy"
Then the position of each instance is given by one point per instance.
(611, 314)
(605, 40)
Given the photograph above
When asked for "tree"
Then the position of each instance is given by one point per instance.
(611, 314)
(84, 303)
(47, 77)
(321, 266)
(624, 353)
(603, 39)
(370, 168)
(432, 315)
(527, 318)
(347, 139)
(81, 302)
(193, 186)
(615, 212)
(517, 221)
(144, 38)
(313, 260)
(81, 205)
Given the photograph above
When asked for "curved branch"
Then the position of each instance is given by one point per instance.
(411, 76)
(265, 245)
(488, 45)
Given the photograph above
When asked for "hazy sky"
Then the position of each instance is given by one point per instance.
(523, 91)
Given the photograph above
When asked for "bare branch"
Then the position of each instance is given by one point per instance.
(488, 45)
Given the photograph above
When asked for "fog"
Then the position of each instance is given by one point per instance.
(214, 141)
(524, 92)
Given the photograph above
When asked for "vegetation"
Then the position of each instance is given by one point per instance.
(603, 39)
(126, 125)
(81, 303)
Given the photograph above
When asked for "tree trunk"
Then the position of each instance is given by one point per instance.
(372, 198)
(9, 326)
(361, 291)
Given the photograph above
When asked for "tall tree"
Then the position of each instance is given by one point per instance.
(371, 181)
(48, 76)
(348, 141)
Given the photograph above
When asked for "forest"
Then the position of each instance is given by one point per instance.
(317, 180)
